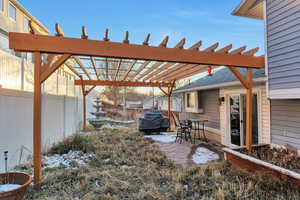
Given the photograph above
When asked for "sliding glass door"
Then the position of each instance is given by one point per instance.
(238, 120)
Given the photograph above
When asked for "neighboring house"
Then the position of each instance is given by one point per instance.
(134, 104)
(62, 101)
(150, 103)
(15, 18)
(282, 42)
(161, 103)
(220, 99)
(176, 103)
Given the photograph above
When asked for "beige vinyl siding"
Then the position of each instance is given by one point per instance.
(263, 113)
(208, 101)
(283, 45)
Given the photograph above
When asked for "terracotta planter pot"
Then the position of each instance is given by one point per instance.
(254, 165)
(15, 178)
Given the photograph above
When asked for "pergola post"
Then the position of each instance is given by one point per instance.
(37, 124)
(84, 94)
(248, 84)
(84, 112)
(249, 111)
(169, 94)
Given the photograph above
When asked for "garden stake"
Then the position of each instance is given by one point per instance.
(6, 158)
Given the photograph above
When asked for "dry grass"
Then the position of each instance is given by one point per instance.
(153, 176)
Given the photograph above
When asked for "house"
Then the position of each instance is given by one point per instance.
(282, 39)
(62, 101)
(220, 99)
(150, 103)
(161, 103)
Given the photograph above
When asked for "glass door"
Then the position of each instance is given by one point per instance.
(238, 119)
(236, 125)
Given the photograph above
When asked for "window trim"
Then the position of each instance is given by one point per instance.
(8, 11)
(195, 98)
(2, 10)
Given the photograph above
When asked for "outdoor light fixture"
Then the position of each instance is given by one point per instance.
(209, 70)
(221, 100)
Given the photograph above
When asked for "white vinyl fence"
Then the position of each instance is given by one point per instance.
(61, 117)
(61, 108)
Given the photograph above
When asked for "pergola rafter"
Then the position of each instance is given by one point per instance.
(178, 63)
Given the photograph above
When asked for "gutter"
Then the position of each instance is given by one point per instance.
(220, 85)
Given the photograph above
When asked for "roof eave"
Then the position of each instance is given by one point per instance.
(219, 85)
(238, 10)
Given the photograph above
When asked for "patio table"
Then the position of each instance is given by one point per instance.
(198, 126)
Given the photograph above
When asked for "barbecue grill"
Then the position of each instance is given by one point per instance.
(153, 122)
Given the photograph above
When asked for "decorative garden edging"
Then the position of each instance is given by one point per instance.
(254, 165)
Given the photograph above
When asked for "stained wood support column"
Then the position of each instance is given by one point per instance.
(249, 111)
(37, 123)
(84, 95)
(169, 94)
(248, 84)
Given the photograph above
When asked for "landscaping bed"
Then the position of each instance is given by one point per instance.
(283, 163)
(125, 165)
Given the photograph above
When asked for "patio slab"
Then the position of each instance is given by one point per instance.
(182, 154)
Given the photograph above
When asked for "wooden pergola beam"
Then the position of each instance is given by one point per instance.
(52, 68)
(162, 68)
(61, 45)
(106, 69)
(153, 67)
(174, 70)
(81, 65)
(194, 47)
(141, 68)
(129, 70)
(95, 67)
(187, 73)
(150, 74)
(118, 69)
(72, 69)
(121, 83)
(146, 63)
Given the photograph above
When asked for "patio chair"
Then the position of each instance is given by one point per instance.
(184, 131)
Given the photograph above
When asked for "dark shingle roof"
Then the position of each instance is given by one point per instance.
(221, 76)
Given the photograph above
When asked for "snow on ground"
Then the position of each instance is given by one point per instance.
(8, 187)
(66, 160)
(204, 155)
(127, 167)
(162, 138)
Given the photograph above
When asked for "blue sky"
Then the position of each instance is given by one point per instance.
(206, 20)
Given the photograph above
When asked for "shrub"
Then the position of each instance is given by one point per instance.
(73, 143)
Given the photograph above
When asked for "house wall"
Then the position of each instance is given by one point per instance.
(209, 101)
(9, 25)
(61, 117)
(263, 113)
(285, 122)
(283, 48)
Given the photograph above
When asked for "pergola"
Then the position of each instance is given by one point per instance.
(126, 64)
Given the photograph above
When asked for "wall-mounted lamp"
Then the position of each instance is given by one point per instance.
(221, 100)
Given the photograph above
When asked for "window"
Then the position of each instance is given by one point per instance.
(26, 24)
(191, 100)
(4, 42)
(2, 5)
(12, 12)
